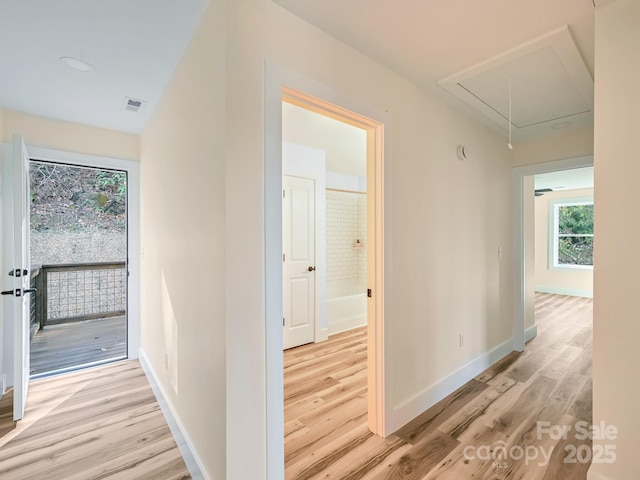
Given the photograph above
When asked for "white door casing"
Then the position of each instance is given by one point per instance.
(298, 244)
(133, 225)
(280, 83)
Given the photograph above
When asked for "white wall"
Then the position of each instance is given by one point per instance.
(448, 219)
(563, 281)
(558, 145)
(183, 230)
(71, 137)
(346, 222)
(616, 326)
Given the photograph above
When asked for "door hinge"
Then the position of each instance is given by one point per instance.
(283, 194)
(283, 321)
(369, 293)
(283, 256)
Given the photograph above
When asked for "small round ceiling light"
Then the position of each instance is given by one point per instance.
(76, 64)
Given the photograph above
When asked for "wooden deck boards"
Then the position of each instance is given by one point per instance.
(326, 434)
(99, 423)
(68, 345)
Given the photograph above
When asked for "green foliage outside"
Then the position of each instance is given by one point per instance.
(115, 182)
(74, 199)
(575, 235)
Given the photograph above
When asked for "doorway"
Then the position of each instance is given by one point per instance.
(280, 81)
(16, 340)
(78, 247)
(373, 293)
(325, 243)
(524, 327)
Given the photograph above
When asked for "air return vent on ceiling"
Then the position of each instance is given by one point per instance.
(133, 104)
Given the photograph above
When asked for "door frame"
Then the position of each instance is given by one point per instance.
(519, 264)
(281, 83)
(133, 230)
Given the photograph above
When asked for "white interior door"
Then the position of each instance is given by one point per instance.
(21, 273)
(298, 221)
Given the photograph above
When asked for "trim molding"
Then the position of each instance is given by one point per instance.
(410, 409)
(346, 324)
(530, 333)
(572, 292)
(323, 335)
(132, 168)
(191, 459)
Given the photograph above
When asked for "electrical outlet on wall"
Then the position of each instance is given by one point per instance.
(461, 340)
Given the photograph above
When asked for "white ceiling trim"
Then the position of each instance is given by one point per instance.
(562, 43)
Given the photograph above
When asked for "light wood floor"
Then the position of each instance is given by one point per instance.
(100, 423)
(67, 345)
(326, 434)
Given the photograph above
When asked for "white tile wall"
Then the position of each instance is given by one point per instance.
(346, 223)
(362, 235)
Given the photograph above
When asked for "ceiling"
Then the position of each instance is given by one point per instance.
(134, 47)
(565, 179)
(345, 146)
(445, 46)
(541, 84)
(449, 46)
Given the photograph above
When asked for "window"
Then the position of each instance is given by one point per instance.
(573, 234)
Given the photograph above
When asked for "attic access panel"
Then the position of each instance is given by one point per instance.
(550, 82)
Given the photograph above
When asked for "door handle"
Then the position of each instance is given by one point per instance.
(311, 269)
(18, 292)
(18, 273)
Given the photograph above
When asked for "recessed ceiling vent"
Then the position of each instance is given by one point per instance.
(133, 104)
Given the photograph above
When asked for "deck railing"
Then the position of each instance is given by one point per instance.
(80, 291)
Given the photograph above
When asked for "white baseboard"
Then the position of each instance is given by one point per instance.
(191, 459)
(410, 409)
(572, 292)
(347, 324)
(530, 333)
(322, 335)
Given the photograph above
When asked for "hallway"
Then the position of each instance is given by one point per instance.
(102, 423)
(326, 434)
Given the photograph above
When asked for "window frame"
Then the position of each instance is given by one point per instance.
(554, 213)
